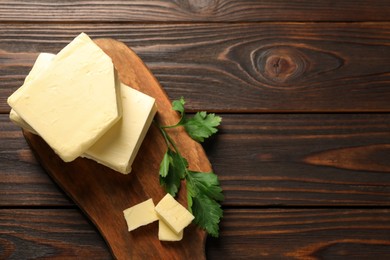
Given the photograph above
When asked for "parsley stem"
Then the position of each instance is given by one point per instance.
(165, 135)
(170, 126)
(169, 141)
(175, 125)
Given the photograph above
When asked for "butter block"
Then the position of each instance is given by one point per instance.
(173, 213)
(16, 119)
(140, 215)
(42, 62)
(74, 102)
(40, 65)
(118, 147)
(165, 233)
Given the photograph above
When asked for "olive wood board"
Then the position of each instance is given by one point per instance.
(102, 194)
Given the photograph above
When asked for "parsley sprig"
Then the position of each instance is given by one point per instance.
(203, 190)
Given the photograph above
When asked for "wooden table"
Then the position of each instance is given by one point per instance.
(303, 154)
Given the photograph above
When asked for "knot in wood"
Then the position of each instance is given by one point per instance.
(201, 6)
(281, 64)
(279, 67)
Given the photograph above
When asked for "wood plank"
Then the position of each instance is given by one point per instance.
(23, 182)
(303, 234)
(303, 159)
(245, 67)
(193, 10)
(49, 234)
(245, 234)
(265, 159)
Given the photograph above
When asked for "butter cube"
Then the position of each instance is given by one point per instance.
(165, 233)
(140, 215)
(74, 102)
(173, 213)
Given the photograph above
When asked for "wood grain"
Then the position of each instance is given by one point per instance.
(297, 185)
(245, 67)
(261, 159)
(22, 180)
(193, 10)
(312, 159)
(303, 234)
(245, 234)
(49, 234)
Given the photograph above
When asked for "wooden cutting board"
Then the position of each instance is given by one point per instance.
(102, 194)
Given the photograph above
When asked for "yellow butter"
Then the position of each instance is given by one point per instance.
(165, 233)
(118, 147)
(140, 215)
(40, 65)
(173, 213)
(74, 102)
(16, 119)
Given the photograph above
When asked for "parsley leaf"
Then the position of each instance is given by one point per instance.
(202, 125)
(207, 213)
(203, 192)
(178, 105)
(164, 165)
(205, 183)
(173, 168)
(171, 183)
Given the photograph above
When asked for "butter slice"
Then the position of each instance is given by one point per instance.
(173, 213)
(165, 233)
(42, 62)
(16, 119)
(74, 102)
(140, 215)
(40, 65)
(118, 147)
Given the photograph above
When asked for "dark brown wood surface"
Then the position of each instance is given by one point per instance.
(303, 153)
(194, 10)
(242, 67)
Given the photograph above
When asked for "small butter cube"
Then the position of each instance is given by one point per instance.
(140, 215)
(74, 102)
(173, 213)
(165, 233)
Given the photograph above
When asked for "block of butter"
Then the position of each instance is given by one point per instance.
(74, 102)
(41, 63)
(173, 213)
(140, 215)
(16, 119)
(165, 233)
(144, 213)
(118, 147)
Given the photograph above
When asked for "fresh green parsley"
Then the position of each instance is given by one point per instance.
(203, 191)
